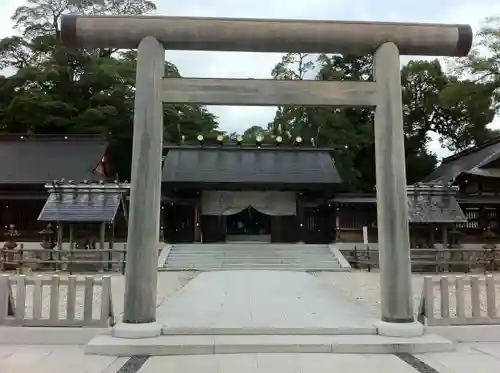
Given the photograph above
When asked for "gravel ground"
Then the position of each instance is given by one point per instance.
(168, 283)
(364, 287)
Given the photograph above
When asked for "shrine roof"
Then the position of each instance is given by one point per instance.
(81, 207)
(474, 161)
(42, 159)
(425, 205)
(252, 166)
(434, 209)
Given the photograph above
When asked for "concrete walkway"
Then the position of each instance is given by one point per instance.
(483, 358)
(263, 302)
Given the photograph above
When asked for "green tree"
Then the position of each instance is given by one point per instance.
(483, 63)
(289, 119)
(254, 131)
(432, 101)
(458, 111)
(56, 90)
(42, 17)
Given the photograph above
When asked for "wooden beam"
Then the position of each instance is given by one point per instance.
(266, 35)
(251, 92)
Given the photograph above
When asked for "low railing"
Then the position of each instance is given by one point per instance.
(432, 260)
(69, 301)
(23, 259)
(463, 300)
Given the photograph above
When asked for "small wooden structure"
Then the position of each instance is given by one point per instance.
(31, 161)
(92, 207)
(476, 173)
(432, 207)
(433, 211)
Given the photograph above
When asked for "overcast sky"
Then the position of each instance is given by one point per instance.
(257, 65)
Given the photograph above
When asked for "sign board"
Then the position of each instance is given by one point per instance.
(365, 235)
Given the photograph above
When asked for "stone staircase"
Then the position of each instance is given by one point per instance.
(251, 255)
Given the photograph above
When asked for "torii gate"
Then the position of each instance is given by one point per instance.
(153, 34)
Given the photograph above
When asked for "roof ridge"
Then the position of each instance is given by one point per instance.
(473, 149)
(246, 148)
(52, 137)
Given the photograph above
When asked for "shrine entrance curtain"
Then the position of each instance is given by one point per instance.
(272, 203)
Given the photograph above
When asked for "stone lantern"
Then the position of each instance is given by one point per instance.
(47, 235)
(11, 235)
(490, 248)
(457, 255)
(10, 245)
(47, 243)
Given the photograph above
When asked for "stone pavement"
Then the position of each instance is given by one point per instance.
(263, 302)
(469, 358)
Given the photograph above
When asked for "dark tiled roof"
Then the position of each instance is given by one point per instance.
(40, 160)
(81, 207)
(425, 208)
(471, 161)
(434, 209)
(250, 166)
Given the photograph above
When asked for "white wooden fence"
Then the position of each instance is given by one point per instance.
(461, 300)
(24, 302)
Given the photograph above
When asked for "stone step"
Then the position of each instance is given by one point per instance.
(258, 248)
(253, 262)
(249, 262)
(286, 269)
(243, 257)
(219, 266)
(216, 267)
(222, 258)
(250, 252)
(208, 257)
(250, 255)
(242, 244)
(253, 249)
(264, 252)
(245, 344)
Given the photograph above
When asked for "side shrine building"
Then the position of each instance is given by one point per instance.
(29, 163)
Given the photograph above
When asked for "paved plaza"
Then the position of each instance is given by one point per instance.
(482, 358)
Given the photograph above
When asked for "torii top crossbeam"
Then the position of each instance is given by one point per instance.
(266, 35)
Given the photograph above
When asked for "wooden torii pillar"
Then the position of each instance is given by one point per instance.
(151, 34)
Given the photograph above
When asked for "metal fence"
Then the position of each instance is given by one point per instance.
(55, 301)
(461, 300)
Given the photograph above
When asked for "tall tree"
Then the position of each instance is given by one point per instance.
(483, 63)
(42, 17)
(432, 101)
(288, 119)
(458, 111)
(58, 90)
(254, 131)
